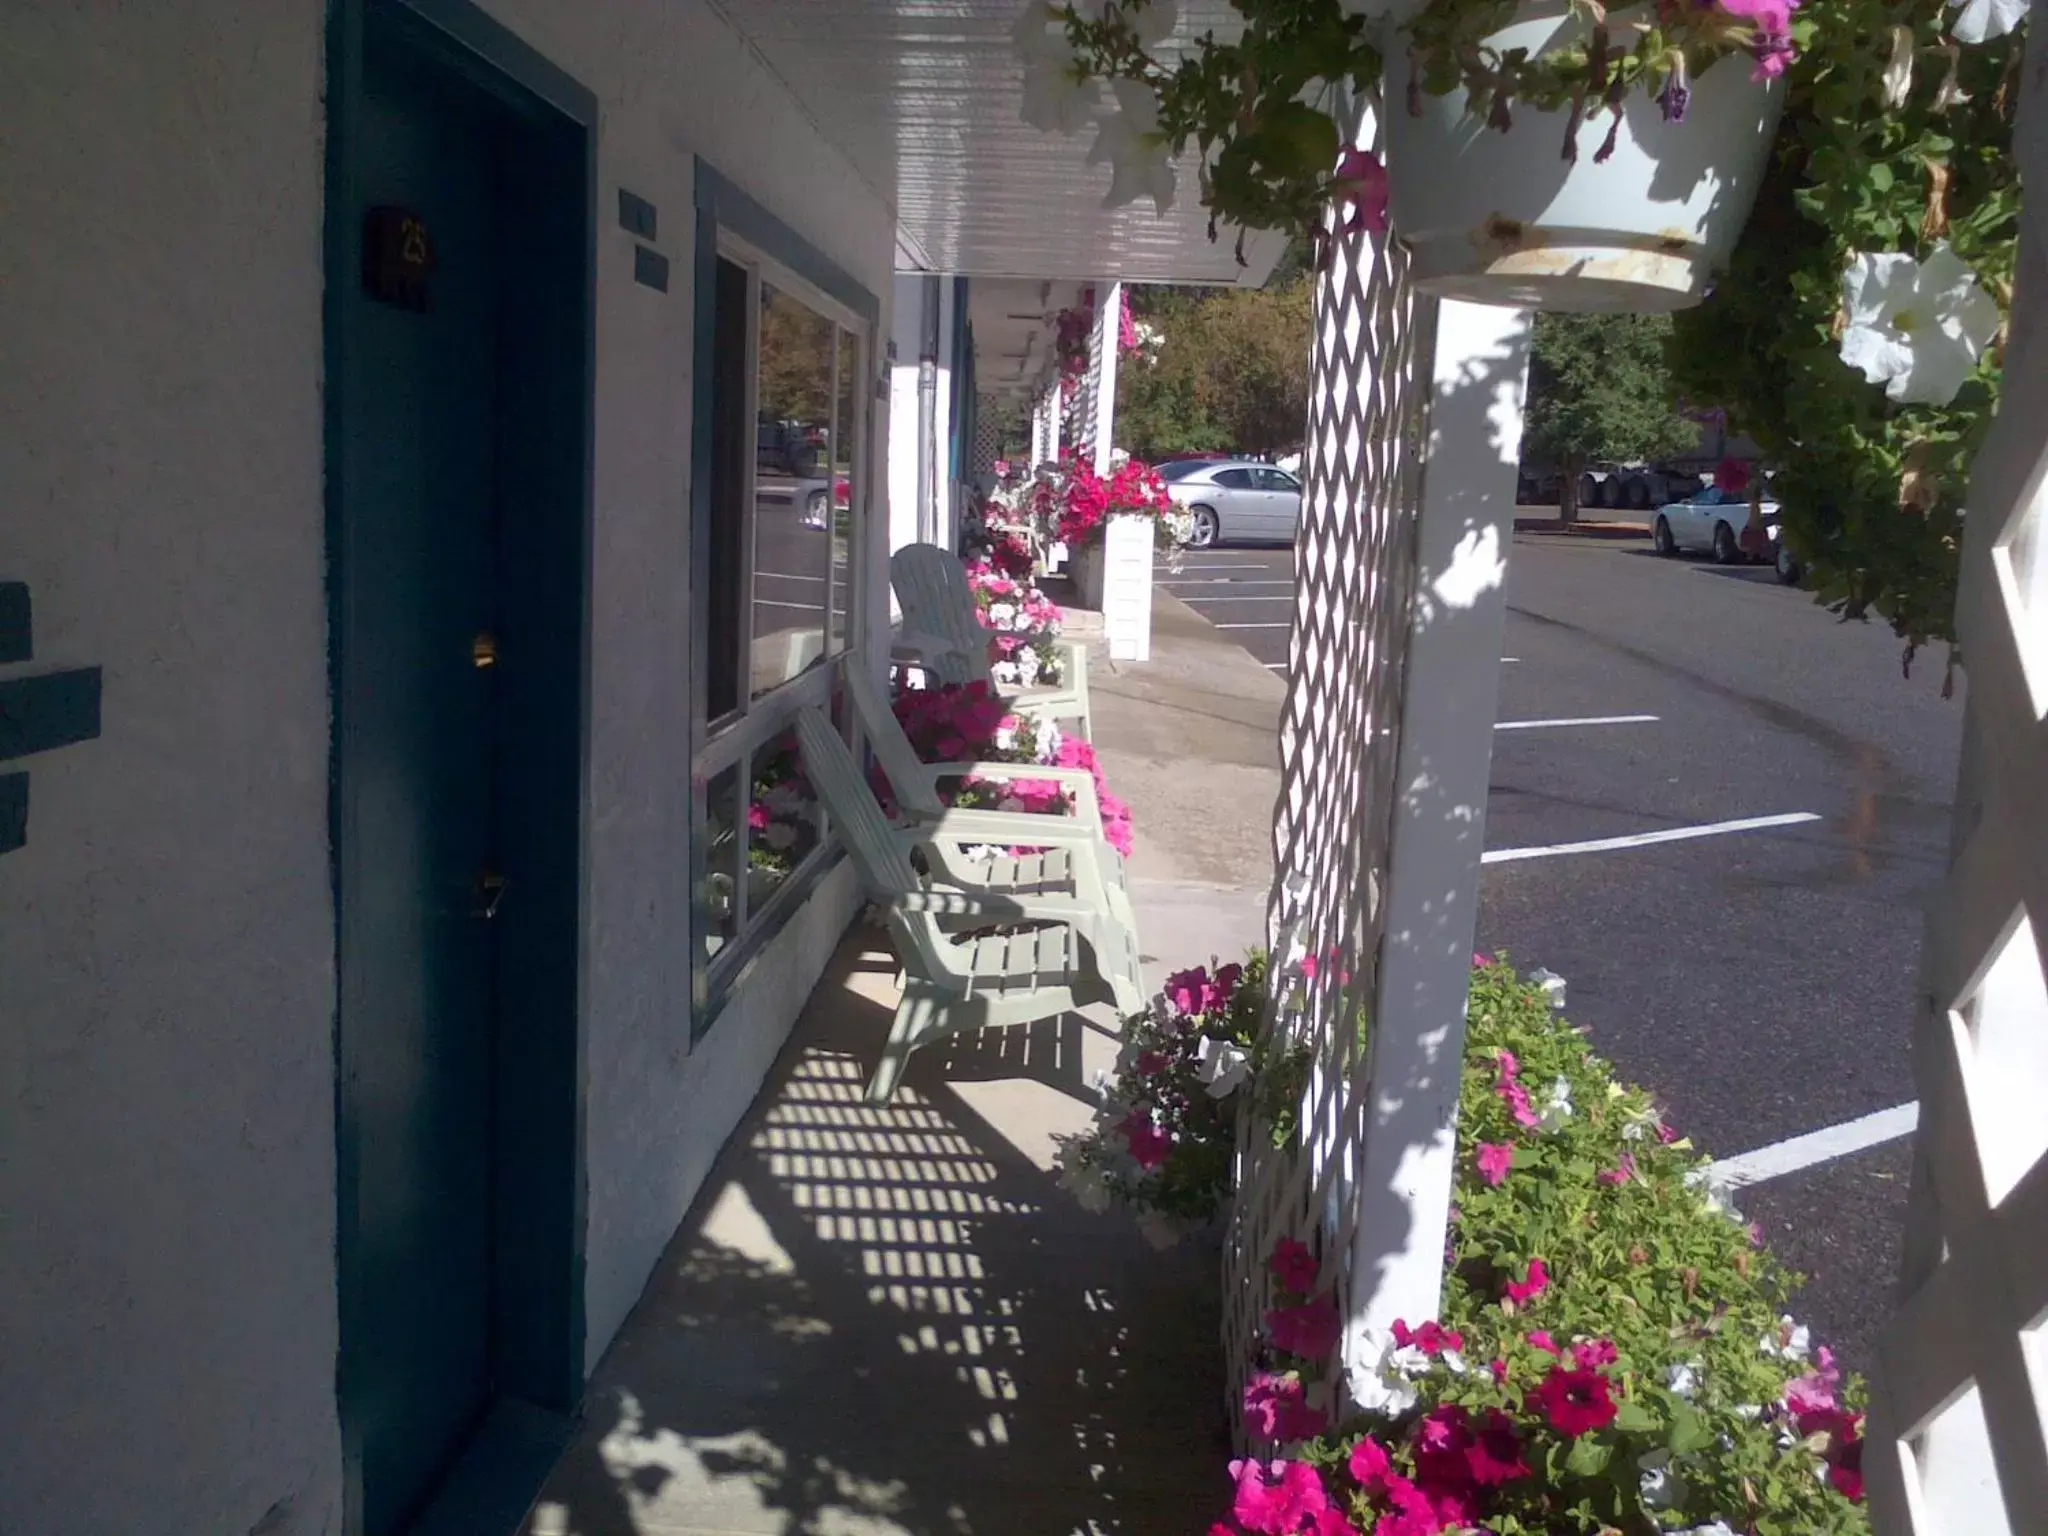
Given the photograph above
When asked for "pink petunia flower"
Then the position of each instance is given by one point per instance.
(1540, 1339)
(1622, 1172)
(1274, 1498)
(1495, 1160)
(1507, 1066)
(1591, 1354)
(1516, 1097)
(1499, 1369)
(1523, 1291)
(1152, 1063)
(1362, 191)
(1293, 1266)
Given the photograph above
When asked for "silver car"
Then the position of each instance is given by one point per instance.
(1234, 500)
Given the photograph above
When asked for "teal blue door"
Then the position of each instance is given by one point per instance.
(415, 729)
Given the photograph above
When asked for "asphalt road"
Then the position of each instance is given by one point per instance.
(1760, 982)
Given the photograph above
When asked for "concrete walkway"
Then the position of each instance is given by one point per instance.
(894, 1320)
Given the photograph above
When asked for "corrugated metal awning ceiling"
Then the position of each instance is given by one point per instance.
(925, 97)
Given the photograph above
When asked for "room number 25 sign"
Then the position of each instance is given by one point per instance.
(398, 257)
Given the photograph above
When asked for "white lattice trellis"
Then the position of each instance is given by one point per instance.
(1355, 576)
(1957, 1413)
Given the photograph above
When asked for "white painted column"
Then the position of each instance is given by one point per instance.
(906, 329)
(1109, 309)
(1465, 526)
(1055, 405)
(1126, 553)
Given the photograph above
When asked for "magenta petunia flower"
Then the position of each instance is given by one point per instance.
(1575, 1402)
(1309, 1331)
(1276, 1408)
(1150, 1144)
(1362, 191)
(1622, 1172)
(1540, 1339)
(1591, 1354)
(1516, 1097)
(1432, 1337)
(1494, 1455)
(1495, 1160)
(1293, 1266)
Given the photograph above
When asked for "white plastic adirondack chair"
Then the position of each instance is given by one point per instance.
(961, 970)
(915, 784)
(938, 606)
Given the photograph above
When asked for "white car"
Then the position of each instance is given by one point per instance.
(1711, 522)
(1234, 499)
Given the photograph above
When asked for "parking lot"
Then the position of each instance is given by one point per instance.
(1719, 813)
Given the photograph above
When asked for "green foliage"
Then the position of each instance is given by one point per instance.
(1600, 388)
(1229, 375)
(1871, 491)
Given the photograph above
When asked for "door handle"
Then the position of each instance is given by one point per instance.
(490, 892)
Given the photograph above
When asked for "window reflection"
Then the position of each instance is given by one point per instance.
(721, 893)
(845, 428)
(795, 450)
(784, 821)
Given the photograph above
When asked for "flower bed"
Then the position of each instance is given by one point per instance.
(1613, 1356)
(969, 723)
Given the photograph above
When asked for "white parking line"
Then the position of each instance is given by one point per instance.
(1544, 725)
(1644, 839)
(1223, 581)
(1197, 599)
(1276, 666)
(1286, 624)
(1814, 1148)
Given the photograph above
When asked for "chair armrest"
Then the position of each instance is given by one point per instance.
(1080, 781)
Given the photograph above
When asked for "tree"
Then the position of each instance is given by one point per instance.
(1229, 373)
(1599, 389)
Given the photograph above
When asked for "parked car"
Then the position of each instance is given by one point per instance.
(791, 448)
(1234, 499)
(1711, 522)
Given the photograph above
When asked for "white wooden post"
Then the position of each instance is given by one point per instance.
(1126, 553)
(1465, 526)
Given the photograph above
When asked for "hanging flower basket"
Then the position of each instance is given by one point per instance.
(1637, 220)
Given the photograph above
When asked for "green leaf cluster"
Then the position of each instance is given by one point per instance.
(1872, 492)
(1600, 388)
(1230, 375)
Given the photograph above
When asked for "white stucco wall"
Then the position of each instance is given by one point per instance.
(167, 1327)
(167, 1312)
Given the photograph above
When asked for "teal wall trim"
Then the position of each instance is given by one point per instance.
(13, 811)
(732, 209)
(49, 710)
(15, 643)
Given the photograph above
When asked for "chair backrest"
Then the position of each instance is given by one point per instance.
(884, 867)
(931, 584)
(884, 732)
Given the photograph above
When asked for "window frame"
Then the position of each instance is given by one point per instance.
(731, 227)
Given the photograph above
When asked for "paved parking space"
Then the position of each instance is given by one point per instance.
(1730, 811)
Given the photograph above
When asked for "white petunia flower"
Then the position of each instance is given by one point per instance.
(1718, 1528)
(1223, 1066)
(1130, 141)
(1557, 1109)
(1552, 985)
(1788, 1341)
(1661, 1485)
(1055, 97)
(1916, 327)
(1682, 1378)
(1376, 1376)
(1982, 20)
(1152, 23)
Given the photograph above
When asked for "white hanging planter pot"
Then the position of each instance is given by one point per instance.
(1503, 218)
